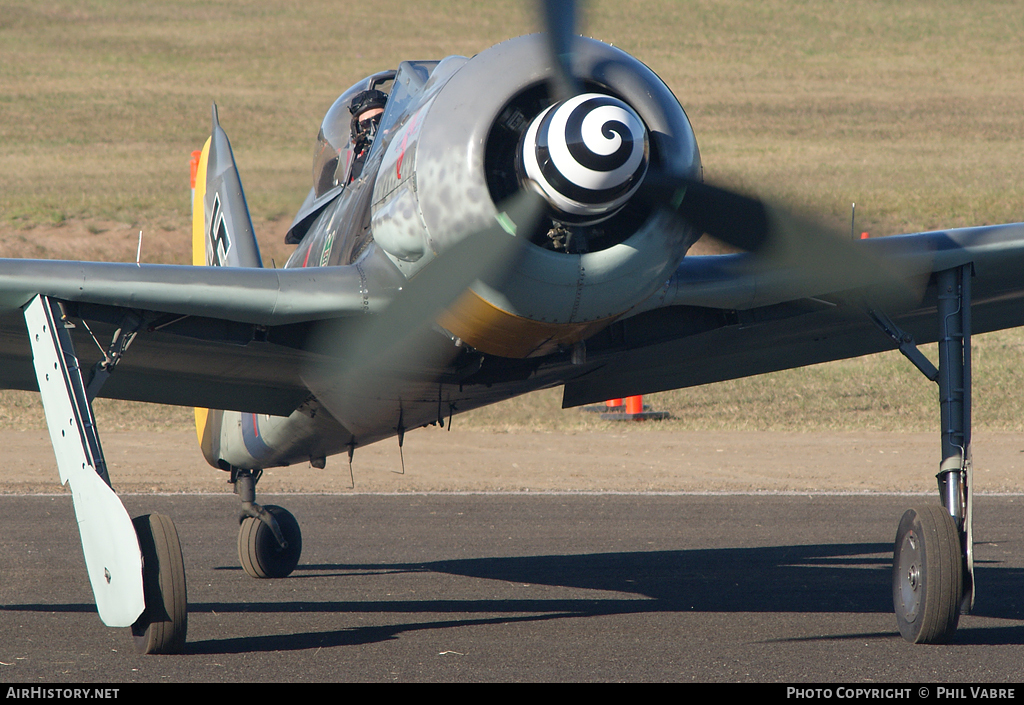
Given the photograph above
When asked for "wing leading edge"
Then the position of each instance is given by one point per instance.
(247, 295)
(225, 338)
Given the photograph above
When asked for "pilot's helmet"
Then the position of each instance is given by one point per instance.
(366, 109)
(335, 145)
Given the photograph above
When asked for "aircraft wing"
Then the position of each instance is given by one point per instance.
(214, 337)
(234, 338)
(730, 316)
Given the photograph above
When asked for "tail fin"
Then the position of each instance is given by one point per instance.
(222, 235)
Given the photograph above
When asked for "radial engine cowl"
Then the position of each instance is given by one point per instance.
(587, 155)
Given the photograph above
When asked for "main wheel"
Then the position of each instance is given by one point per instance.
(161, 628)
(258, 550)
(927, 575)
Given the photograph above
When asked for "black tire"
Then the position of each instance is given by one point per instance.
(161, 628)
(258, 550)
(927, 576)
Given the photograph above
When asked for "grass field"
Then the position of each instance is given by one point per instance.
(911, 110)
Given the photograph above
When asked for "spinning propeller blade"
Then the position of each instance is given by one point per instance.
(779, 237)
(353, 364)
(559, 17)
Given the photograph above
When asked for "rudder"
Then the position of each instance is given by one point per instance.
(222, 236)
(222, 232)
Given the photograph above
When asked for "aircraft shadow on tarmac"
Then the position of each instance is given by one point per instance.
(845, 578)
(826, 578)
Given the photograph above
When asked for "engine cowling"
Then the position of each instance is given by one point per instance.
(485, 128)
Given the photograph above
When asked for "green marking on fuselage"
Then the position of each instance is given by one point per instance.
(328, 244)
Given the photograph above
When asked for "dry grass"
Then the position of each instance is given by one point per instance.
(22, 411)
(101, 103)
(912, 110)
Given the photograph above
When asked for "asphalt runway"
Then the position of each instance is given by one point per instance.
(521, 587)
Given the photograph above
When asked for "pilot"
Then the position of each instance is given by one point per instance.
(366, 108)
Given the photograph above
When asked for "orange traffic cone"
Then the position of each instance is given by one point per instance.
(634, 411)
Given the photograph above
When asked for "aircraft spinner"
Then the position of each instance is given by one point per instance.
(586, 155)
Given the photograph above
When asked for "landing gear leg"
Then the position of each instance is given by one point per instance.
(269, 539)
(933, 557)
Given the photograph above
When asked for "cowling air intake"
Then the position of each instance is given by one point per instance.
(587, 155)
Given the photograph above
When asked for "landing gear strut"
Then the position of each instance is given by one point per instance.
(269, 539)
(933, 557)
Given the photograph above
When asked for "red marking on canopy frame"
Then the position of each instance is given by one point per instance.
(405, 139)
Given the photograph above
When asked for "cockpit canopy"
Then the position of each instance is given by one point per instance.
(335, 146)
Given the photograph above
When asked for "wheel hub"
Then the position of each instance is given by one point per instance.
(909, 569)
(913, 577)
